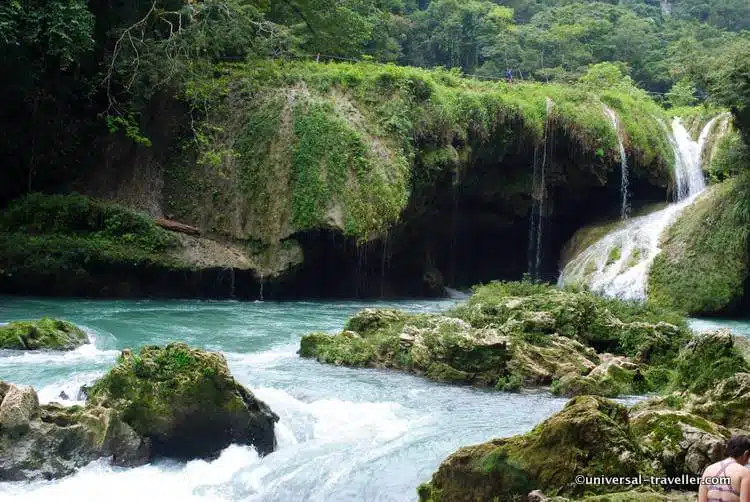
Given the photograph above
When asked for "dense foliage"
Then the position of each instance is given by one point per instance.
(80, 69)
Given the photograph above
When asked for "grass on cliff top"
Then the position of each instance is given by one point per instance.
(47, 233)
(704, 260)
(343, 138)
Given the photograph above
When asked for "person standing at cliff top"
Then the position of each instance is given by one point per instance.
(732, 467)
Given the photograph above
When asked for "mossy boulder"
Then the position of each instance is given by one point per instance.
(680, 442)
(709, 358)
(52, 441)
(589, 437)
(727, 404)
(185, 402)
(42, 334)
(613, 376)
(544, 360)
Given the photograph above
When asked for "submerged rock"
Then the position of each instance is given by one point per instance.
(185, 402)
(44, 334)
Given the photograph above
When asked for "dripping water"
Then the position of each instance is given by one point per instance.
(624, 182)
(538, 192)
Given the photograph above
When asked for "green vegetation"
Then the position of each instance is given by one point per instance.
(511, 334)
(350, 142)
(42, 235)
(707, 360)
(704, 260)
(168, 394)
(45, 334)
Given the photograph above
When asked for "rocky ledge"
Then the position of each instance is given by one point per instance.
(42, 334)
(173, 402)
(676, 434)
(511, 335)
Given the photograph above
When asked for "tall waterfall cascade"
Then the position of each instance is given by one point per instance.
(624, 195)
(618, 264)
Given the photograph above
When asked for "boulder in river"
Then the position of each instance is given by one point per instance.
(42, 334)
(185, 402)
(51, 441)
(173, 401)
(589, 437)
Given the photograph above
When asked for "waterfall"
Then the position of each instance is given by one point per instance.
(538, 194)
(688, 171)
(260, 293)
(624, 196)
(617, 265)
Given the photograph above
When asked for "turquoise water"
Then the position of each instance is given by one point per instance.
(737, 326)
(344, 435)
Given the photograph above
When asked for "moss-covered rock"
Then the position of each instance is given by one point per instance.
(728, 403)
(44, 334)
(51, 441)
(703, 264)
(709, 358)
(184, 401)
(589, 437)
(680, 442)
(510, 333)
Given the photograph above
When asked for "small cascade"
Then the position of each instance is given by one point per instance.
(618, 264)
(384, 262)
(688, 171)
(624, 195)
(260, 293)
(538, 194)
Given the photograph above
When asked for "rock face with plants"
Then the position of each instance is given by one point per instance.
(79, 246)
(42, 334)
(704, 264)
(162, 402)
(309, 166)
(677, 434)
(509, 335)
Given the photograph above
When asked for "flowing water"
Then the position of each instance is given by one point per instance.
(617, 265)
(344, 434)
(538, 194)
(624, 195)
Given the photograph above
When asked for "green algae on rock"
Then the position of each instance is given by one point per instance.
(589, 437)
(173, 402)
(185, 402)
(42, 334)
(516, 332)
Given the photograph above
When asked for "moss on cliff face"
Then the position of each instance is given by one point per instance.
(704, 263)
(302, 145)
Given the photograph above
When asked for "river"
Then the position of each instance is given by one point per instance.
(344, 434)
